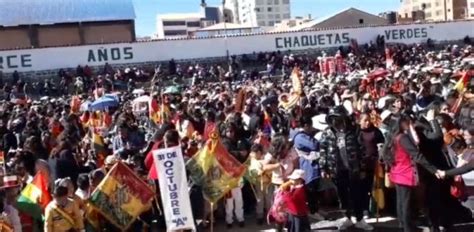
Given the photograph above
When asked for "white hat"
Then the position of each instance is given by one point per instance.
(319, 122)
(297, 174)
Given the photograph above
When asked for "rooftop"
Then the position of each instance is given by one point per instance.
(179, 16)
(228, 26)
(27, 12)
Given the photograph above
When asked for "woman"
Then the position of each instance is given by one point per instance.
(371, 139)
(403, 171)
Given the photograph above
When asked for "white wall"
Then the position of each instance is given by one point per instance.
(163, 50)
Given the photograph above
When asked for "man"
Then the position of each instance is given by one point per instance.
(307, 147)
(341, 160)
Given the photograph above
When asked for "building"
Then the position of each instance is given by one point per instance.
(178, 25)
(288, 24)
(470, 9)
(263, 13)
(185, 25)
(222, 29)
(433, 10)
(46, 23)
(350, 17)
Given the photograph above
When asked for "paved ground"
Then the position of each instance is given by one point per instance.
(384, 224)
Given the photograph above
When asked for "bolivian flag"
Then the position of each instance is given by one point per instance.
(121, 196)
(215, 169)
(35, 197)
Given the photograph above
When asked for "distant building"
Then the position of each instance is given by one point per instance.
(178, 25)
(222, 29)
(350, 17)
(263, 13)
(185, 25)
(45, 23)
(433, 10)
(390, 16)
(288, 24)
(470, 9)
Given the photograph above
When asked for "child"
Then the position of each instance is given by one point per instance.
(262, 192)
(296, 202)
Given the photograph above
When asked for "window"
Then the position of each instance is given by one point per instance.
(278, 21)
(277, 16)
(449, 10)
(406, 15)
(175, 32)
(437, 4)
(472, 4)
(262, 23)
(438, 12)
(174, 23)
(277, 9)
(195, 24)
(277, 2)
(286, 16)
(257, 9)
(427, 5)
(269, 9)
(259, 2)
(428, 15)
(269, 2)
(286, 1)
(260, 16)
(270, 16)
(271, 23)
(361, 21)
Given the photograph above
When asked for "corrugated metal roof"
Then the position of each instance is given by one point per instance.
(26, 12)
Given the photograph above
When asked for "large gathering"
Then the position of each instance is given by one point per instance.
(370, 135)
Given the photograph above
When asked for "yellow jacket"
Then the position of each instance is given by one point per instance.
(63, 219)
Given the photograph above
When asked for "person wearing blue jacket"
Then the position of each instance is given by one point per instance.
(307, 148)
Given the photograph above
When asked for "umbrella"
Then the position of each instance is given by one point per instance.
(143, 98)
(171, 90)
(103, 103)
(138, 91)
(381, 72)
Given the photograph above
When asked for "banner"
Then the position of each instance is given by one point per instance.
(169, 164)
(121, 196)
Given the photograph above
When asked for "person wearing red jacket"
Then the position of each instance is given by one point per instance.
(297, 202)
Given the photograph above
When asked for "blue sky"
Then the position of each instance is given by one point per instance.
(146, 10)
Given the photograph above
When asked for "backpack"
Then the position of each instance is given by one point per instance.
(277, 213)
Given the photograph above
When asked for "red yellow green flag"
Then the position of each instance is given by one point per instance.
(215, 169)
(121, 196)
(35, 196)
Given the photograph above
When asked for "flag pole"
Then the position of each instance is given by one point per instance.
(212, 218)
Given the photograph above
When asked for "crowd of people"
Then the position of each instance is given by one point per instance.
(403, 129)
